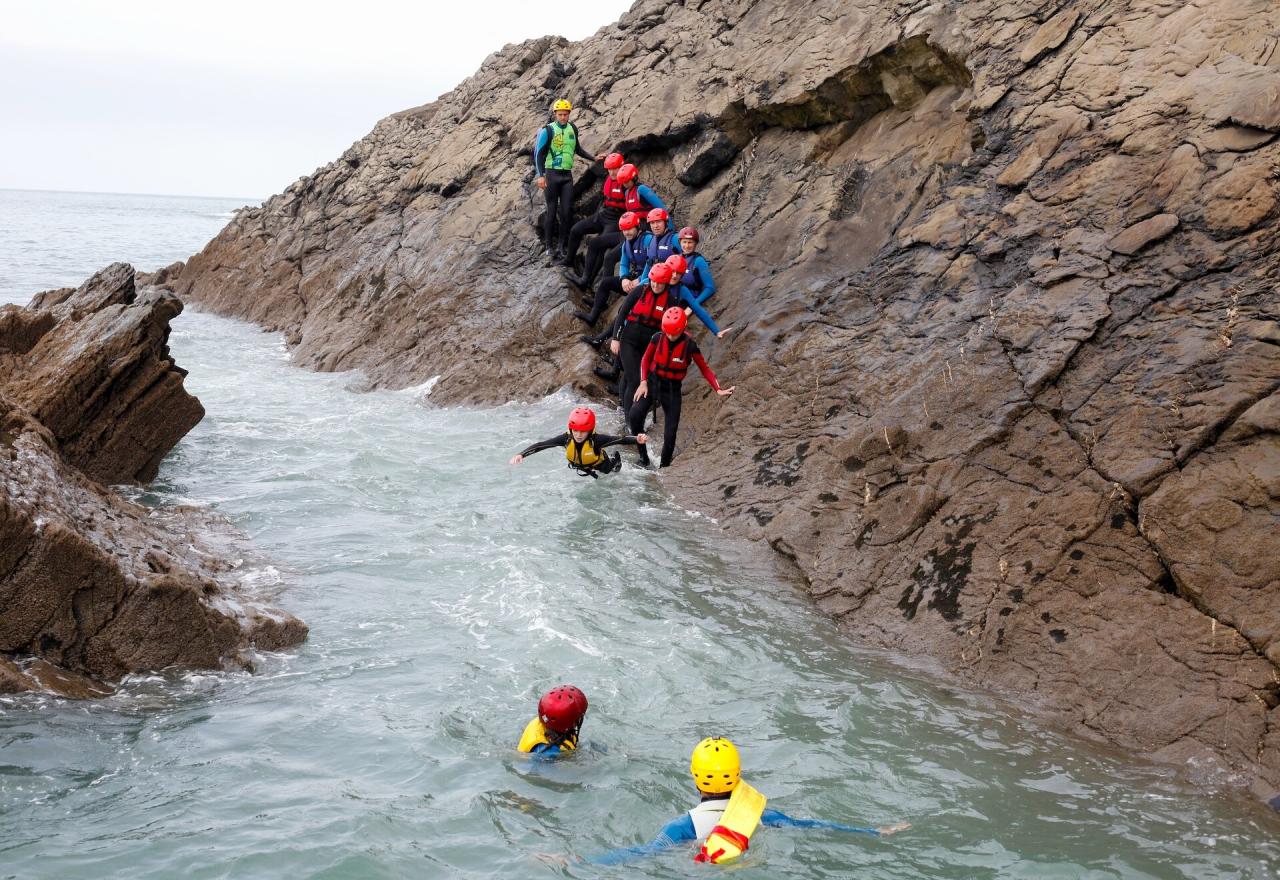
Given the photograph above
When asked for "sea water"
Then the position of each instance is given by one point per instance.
(446, 589)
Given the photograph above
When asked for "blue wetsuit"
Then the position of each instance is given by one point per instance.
(697, 278)
(688, 298)
(681, 830)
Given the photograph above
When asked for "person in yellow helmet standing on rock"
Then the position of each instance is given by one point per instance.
(553, 154)
(728, 814)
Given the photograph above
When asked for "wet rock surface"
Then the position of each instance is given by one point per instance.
(94, 585)
(1005, 282)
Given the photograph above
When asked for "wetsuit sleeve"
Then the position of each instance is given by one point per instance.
(686, 295)
(646, 363)
(627, 305)
(625, 269)
(650, 197)
(676, 831)
(706, 370)
(603, 440)
(540, 149)
(703, 268)
(776, 819)
(562, 440)
(644, 246)
(579, 149)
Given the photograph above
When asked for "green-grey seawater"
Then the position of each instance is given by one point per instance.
(445, 590)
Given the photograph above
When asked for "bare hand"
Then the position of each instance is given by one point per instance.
(542, 183)
(642, 439)
(893, 829)
(642, 390)
(687, 311)
(725, 392)
(628, 285)
(721, 334)
(615, 346)
(516, 459)
(602, 157)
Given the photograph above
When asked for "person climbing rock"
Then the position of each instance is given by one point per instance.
(605, 220)
(697, 277)
(637, 199)
(666, 361)
(728, 813)
(679, 271)
(659, 242)
(553, 154)
(555, 729)
(583, 447)
(633, 260)
(638, 318)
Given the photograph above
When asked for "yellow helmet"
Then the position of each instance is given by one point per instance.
(715, 766)
(562, 104)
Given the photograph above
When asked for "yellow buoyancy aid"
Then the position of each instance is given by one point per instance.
(729, 839)
(535, 734)
(583, 455)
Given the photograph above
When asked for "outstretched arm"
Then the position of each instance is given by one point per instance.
(604, 440)
(778, 819)
(710, 376)
(562, 440)
(696, 307)
(676, 831)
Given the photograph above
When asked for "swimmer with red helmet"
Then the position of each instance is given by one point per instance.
(583, 447)
(559, 720)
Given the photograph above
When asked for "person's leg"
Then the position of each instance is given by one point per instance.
(596, 250)
(632, 354)
(566, 209)
(582, 228)
(671, 398)
(608, 287)
(551, 195)
(635, 424)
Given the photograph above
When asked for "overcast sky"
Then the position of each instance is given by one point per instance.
(237, 98)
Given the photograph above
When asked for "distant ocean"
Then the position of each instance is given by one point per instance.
(57, 239)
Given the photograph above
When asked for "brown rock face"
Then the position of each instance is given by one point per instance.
(88, 581)
(1005, 277)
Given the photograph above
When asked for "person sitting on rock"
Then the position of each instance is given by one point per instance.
(639, 317)
(555, 729)
(637, 199)
(697, 277)
(665, 362)
(632, 264)
(680, 270)
(613, 204)
(727, 814)
(553, 154)
(583, 447)
(659, 242)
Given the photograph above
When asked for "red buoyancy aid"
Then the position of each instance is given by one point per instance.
(671, 359)
(649, 307)
(633, 202)
(615, 200)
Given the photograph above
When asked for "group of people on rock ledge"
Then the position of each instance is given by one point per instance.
(726, 815)
(660, 275)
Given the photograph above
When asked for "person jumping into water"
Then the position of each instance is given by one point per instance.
(727, 815)
(556, 727)
(666, 361)
(553, 155)
(584, 448)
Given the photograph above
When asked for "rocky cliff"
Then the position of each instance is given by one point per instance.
(1003, 275)
(91, 586)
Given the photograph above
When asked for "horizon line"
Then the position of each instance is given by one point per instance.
(92, 192)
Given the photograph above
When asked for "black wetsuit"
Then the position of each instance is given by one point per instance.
(559, 191)
(638, 318)
(606, 465)
(663, 368)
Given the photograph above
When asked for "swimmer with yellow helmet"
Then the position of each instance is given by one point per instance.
(728, 814)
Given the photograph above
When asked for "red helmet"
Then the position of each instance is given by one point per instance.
(660, 274)
(679, 265)
(658, 214)
(690, 232)
(562, 708)
(627, 173)
(612, 161)
(582, 419)
(629, 220)
(674, 321)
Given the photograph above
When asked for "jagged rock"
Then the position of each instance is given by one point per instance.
(89, 582)
(956, 403)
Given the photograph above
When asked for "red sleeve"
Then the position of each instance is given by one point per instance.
(646, 363)
(706, 370)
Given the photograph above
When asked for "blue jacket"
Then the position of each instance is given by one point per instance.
(680, 830)
(697, 278)
(633, 259)
(656, 250)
